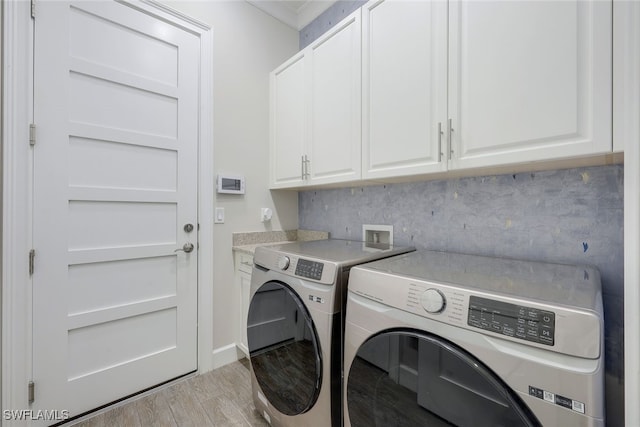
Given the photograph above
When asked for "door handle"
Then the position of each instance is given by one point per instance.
(188, 247)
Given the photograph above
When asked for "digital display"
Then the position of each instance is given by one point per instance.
(231, 184)
(525, 323)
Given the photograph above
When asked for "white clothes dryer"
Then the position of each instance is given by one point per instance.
(295, 325)
(440, 339)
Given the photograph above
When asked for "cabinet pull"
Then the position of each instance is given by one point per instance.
(302, 168)
(306, 167)
(440, 141)
(450, 141)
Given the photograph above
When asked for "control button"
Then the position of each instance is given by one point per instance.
(433, 301)
(283, 263)
(547, 318)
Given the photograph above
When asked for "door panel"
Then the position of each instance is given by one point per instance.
(110, 164)
(115, 180)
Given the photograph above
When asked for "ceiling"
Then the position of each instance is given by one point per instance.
(295, 13)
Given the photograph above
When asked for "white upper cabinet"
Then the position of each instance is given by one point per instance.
(404, 91)
(288, 122)
(626, 69)
(444, 85)
(315, 111)
(528, 80)
(334, 150)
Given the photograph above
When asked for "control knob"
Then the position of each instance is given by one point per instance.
(283, 262)
(433, 300)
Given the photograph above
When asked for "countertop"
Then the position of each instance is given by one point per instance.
(248, 242)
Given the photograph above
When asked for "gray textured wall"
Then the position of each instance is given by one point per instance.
(334, 14)
(570, 216)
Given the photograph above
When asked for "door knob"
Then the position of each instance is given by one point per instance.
(188, 247)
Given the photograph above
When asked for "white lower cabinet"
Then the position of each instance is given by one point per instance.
(243, 267)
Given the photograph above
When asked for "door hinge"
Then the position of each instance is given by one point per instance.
(32, 258)
(32, 134)
(32, 392)
(33, 9)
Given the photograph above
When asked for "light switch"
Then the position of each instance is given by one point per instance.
(219, 218)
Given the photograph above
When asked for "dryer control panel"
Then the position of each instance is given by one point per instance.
(309, 269)
(526, 323)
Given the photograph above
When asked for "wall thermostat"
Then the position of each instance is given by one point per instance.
(230, 184)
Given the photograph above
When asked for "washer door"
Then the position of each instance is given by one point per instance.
(410, 378)
(284, 348)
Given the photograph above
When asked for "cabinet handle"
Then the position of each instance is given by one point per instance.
(440, 132)
(302, 168)
(306, 167)
(450, 141)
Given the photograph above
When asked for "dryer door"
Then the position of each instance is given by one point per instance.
(412, 379)
(284, 348)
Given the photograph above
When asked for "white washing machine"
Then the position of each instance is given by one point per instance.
(295, 325)
(439, 339)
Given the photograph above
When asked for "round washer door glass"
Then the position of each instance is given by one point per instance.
(284, 348)
(408, 378)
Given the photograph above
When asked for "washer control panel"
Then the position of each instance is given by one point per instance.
(525, 323)
(309, 269)
(553, 326)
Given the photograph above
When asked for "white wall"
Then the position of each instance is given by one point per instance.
(247, 45)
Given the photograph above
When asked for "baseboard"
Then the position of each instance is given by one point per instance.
(224, 355)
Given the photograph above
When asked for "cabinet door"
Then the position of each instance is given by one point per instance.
(404, 95)
(529, 80)
(334, 134)
(244, 266)
(288, 122)
(245, 286)
(626, 69)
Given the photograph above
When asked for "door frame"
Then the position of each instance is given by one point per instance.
(17, 191)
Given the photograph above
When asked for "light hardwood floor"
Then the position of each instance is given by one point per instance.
(219, 398)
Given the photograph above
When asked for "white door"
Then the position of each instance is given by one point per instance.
(529, 80)
(404, 87)
(334, 131)
(115, 182)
